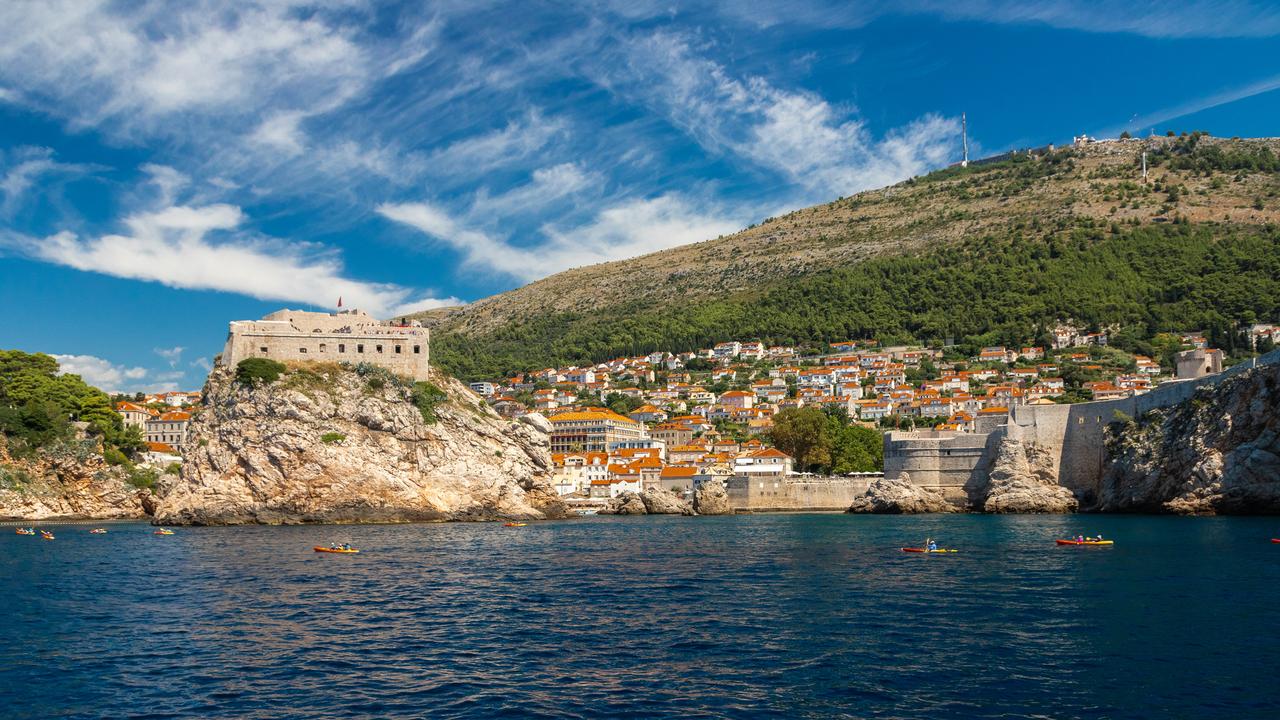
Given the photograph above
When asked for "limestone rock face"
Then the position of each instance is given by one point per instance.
(649, 502)
(68, 480)
(324, 443)
(1023, 480)
(1217, 453)
(712, 498)
(628, 503)
(899, 496)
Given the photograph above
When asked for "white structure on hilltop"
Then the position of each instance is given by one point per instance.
(347, 335)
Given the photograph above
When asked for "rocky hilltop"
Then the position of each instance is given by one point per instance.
(69, 480)
(1217, 453)
(330, 443)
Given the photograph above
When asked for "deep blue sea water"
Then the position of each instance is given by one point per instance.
(778, 616)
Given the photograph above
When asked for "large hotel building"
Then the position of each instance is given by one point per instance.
(592, 430)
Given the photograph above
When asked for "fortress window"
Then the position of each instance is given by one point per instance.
(322, 348)
(342, 347)
(397, 349)
(379, 348)
(416, 350)
(359, 348)
(302, 350)
(263, 349)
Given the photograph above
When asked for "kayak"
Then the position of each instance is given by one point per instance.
(1276, 540)
(46, 534)
(163, 531)
(924, 550)
(98, 531)
(31, 531)
(1086, 542)
(514, 524)
(339, 551)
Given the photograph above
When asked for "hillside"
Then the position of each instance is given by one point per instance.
(989, 253)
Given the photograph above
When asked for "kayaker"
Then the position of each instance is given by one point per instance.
(346, 546)
(933, 546)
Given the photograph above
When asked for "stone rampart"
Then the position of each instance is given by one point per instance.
(796, 492)
(1075, 436)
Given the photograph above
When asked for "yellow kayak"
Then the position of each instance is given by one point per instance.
(1086, 542)
(339, 551)
(163, 531)
(924, 550)
(514, 524)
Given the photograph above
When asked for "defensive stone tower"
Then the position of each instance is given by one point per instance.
(347, 335)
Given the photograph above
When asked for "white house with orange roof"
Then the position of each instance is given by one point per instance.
(737, 399)
(169, 428)
(135, 415)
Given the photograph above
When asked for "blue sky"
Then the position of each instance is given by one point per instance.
(165, 169)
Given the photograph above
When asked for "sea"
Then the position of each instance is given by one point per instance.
(752, 616)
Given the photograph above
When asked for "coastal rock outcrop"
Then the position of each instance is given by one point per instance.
(1023, 480)
(649, 502)
(712, 498)
(332, 443)
(899, 496)
(1217, 453)
(67, 480)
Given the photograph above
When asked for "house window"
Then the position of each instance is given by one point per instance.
(416, 350)
(342, 347)
(397, 349)
(360, 348)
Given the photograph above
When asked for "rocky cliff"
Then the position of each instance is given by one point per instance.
(1023, 479)
(330, 443)
(712, 498)
(1219, 452)
(900, 496)
(649, 502)
(69, 480)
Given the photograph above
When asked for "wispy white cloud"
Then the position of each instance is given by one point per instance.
(24, 166)
(101, 373)
(630, 228)
(1151, 18)
(1193, 18)
(204, 248)
(173, 355)
(1225, 97)
(824, 148)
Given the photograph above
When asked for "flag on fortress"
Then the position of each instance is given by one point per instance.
(339, 301)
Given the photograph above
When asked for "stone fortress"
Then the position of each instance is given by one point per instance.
(352, 336)
(954, 463)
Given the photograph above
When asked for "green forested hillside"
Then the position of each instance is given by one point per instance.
(994, 253)
(983, 291)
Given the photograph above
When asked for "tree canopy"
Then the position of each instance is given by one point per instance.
(37, 405)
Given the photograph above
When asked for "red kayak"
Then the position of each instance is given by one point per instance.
(1275, 540)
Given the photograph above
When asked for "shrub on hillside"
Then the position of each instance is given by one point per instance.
(332, 437)
(426, 396)
(251, 369)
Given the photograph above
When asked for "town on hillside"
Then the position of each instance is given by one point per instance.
(162, 418)
(671, 420)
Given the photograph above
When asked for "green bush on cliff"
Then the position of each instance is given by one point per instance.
(143, 478)
(251, 369)
(330, 438)
(426, 396)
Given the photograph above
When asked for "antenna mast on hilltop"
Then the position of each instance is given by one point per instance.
(964, 139)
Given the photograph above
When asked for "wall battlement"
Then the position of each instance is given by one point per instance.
(346, 336)
(795, 492)
(1074, 434)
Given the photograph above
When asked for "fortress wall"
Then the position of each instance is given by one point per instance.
(318, 347)
(1074, 434)
(778, 494)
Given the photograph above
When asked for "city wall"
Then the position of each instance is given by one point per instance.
(1074, 434)
(795, 493)
(318, 337)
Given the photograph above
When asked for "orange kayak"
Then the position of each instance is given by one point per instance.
(339, 551)
(514, 524)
